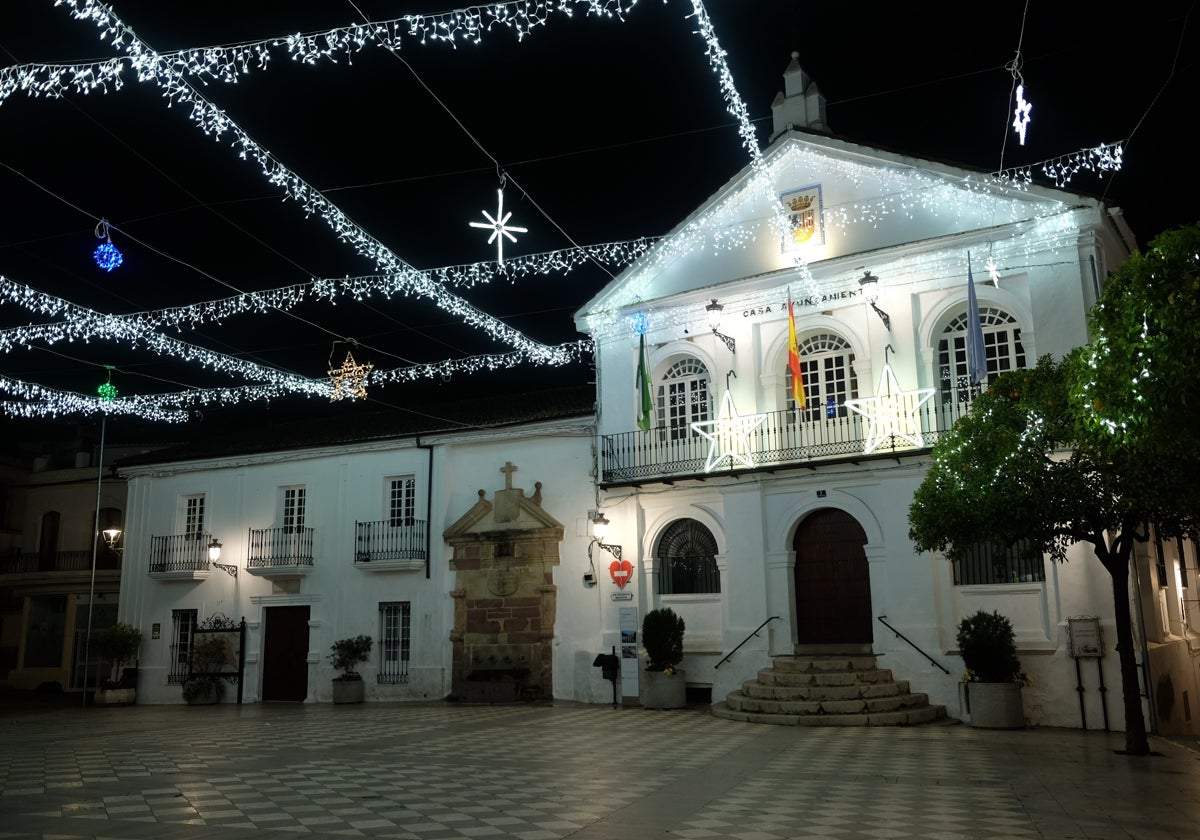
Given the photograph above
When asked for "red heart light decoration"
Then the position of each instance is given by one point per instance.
(621, 571)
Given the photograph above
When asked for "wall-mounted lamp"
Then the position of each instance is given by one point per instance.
(869, 284)
(714, 311)
(111, 536)
(214, 554)
(599, 532)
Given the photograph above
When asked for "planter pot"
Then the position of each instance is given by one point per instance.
(348, 691)
(208, 697)
(114, 696)
(995, 705)
(660, 690)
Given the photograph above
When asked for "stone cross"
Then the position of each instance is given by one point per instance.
(508, 469)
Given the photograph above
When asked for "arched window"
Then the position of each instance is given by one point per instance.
(683, 398)
(686, 559)
(1002, 346)
(827, 365)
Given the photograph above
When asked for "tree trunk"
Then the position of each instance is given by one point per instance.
(1117, 564)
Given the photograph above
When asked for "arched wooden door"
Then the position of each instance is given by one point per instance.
(833, 580)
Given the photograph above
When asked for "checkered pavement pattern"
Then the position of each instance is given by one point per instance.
(537, 772)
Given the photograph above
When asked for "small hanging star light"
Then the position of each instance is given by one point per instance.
(349, 380)
(106, 254)
(499, 226)
(1021, 114)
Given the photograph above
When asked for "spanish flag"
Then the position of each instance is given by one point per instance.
(794, 360)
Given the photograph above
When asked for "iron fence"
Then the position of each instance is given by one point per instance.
(59, 561)
(180, 553)
(784, 438)
(288, 546)
(388, 539)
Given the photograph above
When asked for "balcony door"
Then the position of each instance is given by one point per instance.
(833, 580)
(285, 654)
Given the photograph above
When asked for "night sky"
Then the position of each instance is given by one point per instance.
(608, 130)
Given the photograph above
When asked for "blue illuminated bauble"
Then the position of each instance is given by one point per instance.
(640, 323)
(107, 256)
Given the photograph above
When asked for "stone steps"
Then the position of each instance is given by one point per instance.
(828, 690)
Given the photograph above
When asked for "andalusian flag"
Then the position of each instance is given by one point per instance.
(645, 403)
(794, 360)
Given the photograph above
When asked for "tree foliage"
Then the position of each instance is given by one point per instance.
(1090, 449)
(1135, 386)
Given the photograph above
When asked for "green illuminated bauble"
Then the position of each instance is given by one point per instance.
(107, 392)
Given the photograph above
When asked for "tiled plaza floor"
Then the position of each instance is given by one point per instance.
(447, 772)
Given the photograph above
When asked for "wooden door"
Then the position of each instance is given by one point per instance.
(833, 580)
(285, 654)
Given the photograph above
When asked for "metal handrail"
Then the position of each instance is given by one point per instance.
(729, 655)
(883, 618)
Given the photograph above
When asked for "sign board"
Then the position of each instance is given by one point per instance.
(628, 623)
(621, 596)
(1083, 637)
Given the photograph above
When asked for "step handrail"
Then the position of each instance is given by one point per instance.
(883, 618)
(729, 655)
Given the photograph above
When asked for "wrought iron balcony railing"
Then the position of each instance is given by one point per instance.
(288, 546)
(179, 553)
(783, 439)
(389, 539)
(59, 561)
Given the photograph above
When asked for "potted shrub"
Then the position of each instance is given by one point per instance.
(119, 645)
(993, 679)
(345, 654)
(208, 653)
(663, 683)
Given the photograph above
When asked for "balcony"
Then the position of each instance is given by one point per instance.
(59, 564)
(280, 552)
(390, 545)
(784, 439)
(180, 557)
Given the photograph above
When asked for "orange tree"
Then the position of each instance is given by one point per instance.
(1087, 450)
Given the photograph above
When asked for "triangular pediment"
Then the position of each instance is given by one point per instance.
(841, 200)
(509, 511)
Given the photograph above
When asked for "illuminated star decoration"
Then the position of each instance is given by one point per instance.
(499, 226)
(106, 254)
(107, 391)
(729, 435)
(1021, 113)
(891, 412)
(350, 380)
(993, 271)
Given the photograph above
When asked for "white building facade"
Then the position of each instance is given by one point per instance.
(321, 543)
(784, 528)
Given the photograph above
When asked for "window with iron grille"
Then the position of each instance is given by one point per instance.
(827, 366)
(402, 501)
(992, 563)
(395, 641)
(687, 562)
(193, 516)
(1002, 347)
(183, 627)
(683, 398)
(293, 508)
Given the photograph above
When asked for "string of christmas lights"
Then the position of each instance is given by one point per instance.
(87, 324)
(215, 123)
(399, 277)
(169, 406)
(1106, 157)
(228, 63)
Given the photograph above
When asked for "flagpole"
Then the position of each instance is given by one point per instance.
(87, 641)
